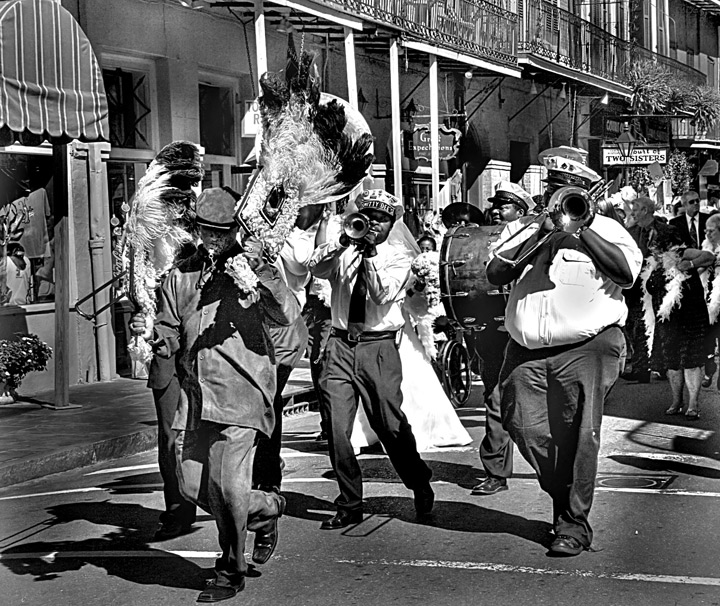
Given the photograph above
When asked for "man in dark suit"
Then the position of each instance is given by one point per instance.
(691, 225)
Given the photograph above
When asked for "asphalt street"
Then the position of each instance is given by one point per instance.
(85, 537)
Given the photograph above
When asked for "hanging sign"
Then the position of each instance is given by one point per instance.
(418, 144)
(638, 156)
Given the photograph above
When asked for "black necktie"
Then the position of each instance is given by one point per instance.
(693, 233)
(356, 314)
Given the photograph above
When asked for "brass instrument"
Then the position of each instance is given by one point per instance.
(355, 226)
(566, 204)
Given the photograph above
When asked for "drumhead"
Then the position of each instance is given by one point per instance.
(469, 298)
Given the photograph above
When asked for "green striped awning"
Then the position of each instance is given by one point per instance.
(51, 86)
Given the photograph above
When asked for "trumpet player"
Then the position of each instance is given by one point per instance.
(368, 274)
(566, 348)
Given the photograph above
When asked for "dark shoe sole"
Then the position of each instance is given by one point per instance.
(564, 548)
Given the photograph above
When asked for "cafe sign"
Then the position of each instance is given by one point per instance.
(640, 156)
(419, 143)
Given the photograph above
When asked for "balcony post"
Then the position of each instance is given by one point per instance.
(396, 120)
(434, 132)
(350, 67)
(260, 44)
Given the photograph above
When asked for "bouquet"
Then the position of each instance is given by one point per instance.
(244, 277)
(426, 266)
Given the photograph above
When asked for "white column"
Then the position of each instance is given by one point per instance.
(260, 44)
(434, 132)
(350, 67)
(396, 122)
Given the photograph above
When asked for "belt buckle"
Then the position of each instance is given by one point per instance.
(353, 334)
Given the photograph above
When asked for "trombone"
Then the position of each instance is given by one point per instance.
(572, 202)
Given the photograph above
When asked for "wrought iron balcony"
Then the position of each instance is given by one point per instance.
(562, 37)
(484, 29)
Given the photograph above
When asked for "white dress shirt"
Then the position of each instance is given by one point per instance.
(572, 300)
(386, 275)
(294, 260)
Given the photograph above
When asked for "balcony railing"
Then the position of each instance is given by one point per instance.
(684, 72)
(564, 38)
(484, 29)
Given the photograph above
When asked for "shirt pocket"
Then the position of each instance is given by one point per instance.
(574, 268)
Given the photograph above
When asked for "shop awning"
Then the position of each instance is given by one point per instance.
(50, 83)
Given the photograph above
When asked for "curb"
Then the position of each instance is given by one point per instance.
(109, 449)
(78, 456)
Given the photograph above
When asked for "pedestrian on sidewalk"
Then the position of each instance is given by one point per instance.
(368, 280)
(213, 318)
(564, 315)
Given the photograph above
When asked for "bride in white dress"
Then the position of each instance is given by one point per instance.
(429, 411)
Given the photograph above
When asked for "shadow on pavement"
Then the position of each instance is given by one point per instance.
(48, 560)
(447, 515)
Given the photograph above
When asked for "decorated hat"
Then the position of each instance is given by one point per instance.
(379, 199)
(216, 209)
(508, 192)
(566, 171)
(457, 212)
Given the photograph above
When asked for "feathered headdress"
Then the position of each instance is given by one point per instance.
(314, 149)
(160, 221)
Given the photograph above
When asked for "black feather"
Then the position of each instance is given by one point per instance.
(182, 160)
(329, 123)
(355, 159)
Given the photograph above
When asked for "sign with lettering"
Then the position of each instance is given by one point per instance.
(638, 157)
(418, 145)
(250, 125)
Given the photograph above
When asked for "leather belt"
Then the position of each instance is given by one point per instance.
(363, 337)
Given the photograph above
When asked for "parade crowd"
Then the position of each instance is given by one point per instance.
(589, 296)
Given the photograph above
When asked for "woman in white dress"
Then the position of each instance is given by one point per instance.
(432, 417)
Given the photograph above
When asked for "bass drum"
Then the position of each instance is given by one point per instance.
(468, 297)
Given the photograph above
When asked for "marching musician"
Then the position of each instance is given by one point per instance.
(510, 202)
(566, 348)
(368, 277)
(225, 364)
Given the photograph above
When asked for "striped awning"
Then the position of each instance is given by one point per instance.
(51, 86)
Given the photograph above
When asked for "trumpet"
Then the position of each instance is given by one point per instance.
(355, 226)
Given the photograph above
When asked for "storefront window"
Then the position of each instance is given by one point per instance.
(26, 229)
(217, 120)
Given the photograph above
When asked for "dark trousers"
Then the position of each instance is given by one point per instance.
(290, 343)
(318, 320)
(373, 373)
(215, 471)
(496, 448)
(166, 403)
(635, 330)
(552, 406)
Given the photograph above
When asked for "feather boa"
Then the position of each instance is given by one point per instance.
(673, 290)
(712, 291)
(153, 233)
(673, 283)
(648, 311)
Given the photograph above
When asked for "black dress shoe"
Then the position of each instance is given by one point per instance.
(342, 519)
(566, 546)
(170, 529)
(266, 540)
(217, 593)
(490, 485)
(424, 500)
(706, 381)
(641, 376)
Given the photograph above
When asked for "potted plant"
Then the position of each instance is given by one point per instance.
(27, 353)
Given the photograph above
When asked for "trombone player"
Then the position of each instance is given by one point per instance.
(564, 317)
